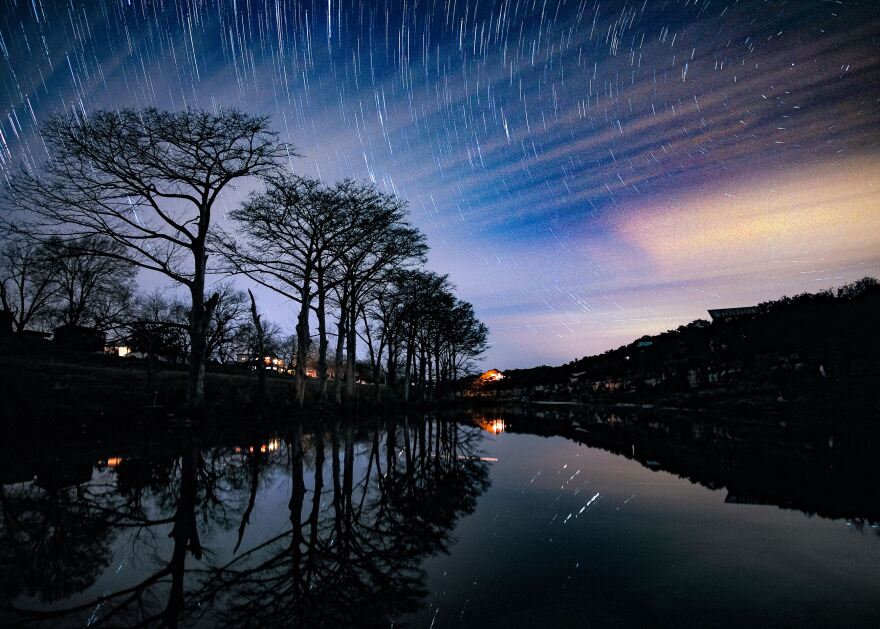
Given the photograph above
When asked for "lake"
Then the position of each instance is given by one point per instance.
(509, 518)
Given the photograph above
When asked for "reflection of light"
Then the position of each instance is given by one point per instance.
(113, 461)
(495, 426)
(263, 448)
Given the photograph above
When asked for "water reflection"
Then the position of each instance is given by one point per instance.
(196, 534)
(823, 469)
(494, 426)
(338, 525)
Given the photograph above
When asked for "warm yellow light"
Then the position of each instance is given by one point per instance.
(494, 426)
(493, 375)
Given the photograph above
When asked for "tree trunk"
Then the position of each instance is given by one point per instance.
(391, 369)
(350, 350)
(322, 333)
(429, 385)
(317, 497)
(295, 505)
(185, 535)
(340, 342)
(422, 380)
(302, 342)
(438, 391)
(390, 448)
(374, 359)
(199, 318)
(408, 371)
(424, 373)
(261, 345)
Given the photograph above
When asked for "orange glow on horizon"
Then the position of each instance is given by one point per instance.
(799, 221)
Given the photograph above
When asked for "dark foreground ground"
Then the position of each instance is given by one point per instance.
(37, 380)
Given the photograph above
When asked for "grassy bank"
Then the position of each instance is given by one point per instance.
(42, 383)
(39, 380)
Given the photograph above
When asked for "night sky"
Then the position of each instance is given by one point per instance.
(586, 172)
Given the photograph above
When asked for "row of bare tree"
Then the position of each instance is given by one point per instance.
(138, 190)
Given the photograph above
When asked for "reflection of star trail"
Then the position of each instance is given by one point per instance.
(569, 160)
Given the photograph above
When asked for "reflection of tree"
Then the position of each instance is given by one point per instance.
(827, 469)
(377, 502)
(52, 544)
(60, 539)
(352, 554)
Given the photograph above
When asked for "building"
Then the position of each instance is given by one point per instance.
(79, 338)
(493, 375)
(725, 314)
(270, 362)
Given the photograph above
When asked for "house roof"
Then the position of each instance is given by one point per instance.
(731, 313)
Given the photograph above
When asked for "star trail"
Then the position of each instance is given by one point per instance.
(586, 172)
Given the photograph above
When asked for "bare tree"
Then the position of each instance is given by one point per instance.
(158, 327)
(228, 322)
(382, 242)
(418, 291)
(92, 290)
(418, 315)
(466, 338)
(293, 233)
(27, 284)
(148, 180)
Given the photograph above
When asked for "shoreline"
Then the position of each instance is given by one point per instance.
(59, 389)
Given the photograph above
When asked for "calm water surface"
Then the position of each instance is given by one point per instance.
(465, 521)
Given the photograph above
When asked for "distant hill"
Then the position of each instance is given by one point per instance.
(775, 348)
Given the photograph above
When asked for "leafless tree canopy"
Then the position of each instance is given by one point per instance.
(92, 290)
(136, 189)
(147, 180)
(316, 243)
(27, 284)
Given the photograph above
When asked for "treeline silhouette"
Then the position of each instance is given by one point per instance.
(139, 190)
(828, 336)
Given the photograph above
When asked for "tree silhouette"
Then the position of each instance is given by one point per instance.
(147, 180)
(92, 289)
(27, 283)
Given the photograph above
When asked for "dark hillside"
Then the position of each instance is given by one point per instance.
(800, 348)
